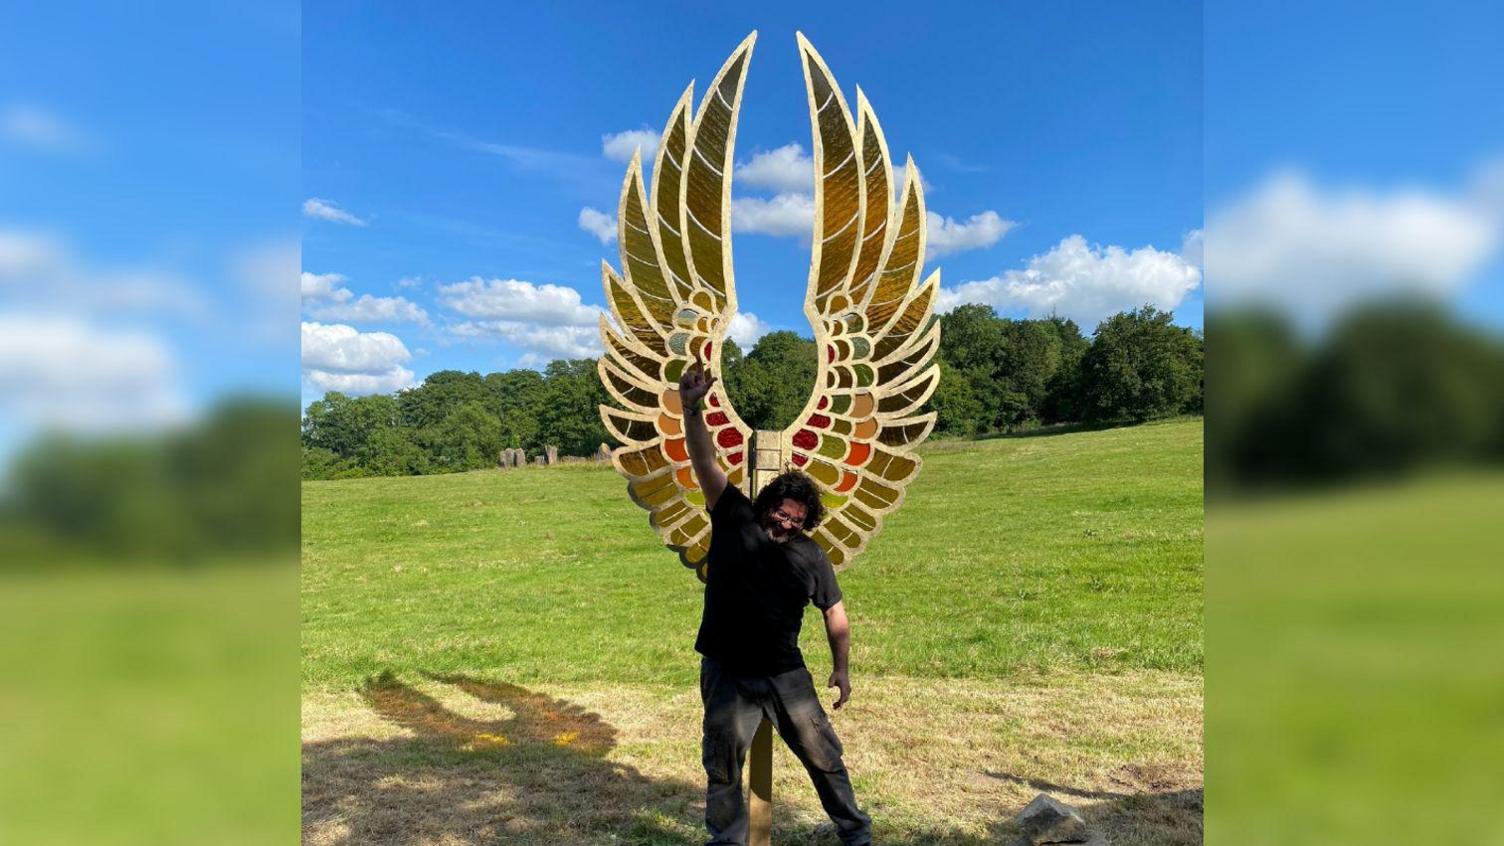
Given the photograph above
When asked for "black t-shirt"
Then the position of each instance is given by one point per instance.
(757, 589)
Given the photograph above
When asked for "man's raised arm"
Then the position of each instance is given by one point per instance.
(693, 386)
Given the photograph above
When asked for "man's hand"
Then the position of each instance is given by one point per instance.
(840, 679)
(694, 384)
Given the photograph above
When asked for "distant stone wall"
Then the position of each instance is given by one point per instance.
(514, 457)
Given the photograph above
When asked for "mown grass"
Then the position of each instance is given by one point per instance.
(508, 656)
(149, 705)
(1071, 552)
(1356, 642)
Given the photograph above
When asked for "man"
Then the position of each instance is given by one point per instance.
(763, 571)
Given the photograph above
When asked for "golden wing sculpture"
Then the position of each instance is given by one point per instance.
(873, 320)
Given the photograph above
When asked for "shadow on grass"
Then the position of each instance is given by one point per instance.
(537, 777)
(541, 776)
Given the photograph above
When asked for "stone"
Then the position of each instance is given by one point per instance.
(519, 458)
(552, 454)
(504, 458)
(1047, 820)
(603, 454)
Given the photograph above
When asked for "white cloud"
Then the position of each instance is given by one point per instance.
(1314, 250)
(325, 286)
(1084, 283)
(65, 371)
(790, 170)
(326, 298)
(147, 290)
(793, 215)
(43, 270)
(546, 321)
(746, 328)
(410, 282)
(360, 384)
(599, 224)
(268, 268)
(27, 255)
(369, 309)
(1193, 248)
(31, 126)
(1486, 193)
(786, 170)
(518, 302)
(330, 211)
(541, 343)
(900, 172)
(944, 235)
(783, 215)
(337, 357)
(620, 146)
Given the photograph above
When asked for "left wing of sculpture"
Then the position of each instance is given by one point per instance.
(675, 297)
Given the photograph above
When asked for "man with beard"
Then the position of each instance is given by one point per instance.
(763, 571)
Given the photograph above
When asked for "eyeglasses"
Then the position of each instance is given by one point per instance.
(787, 519)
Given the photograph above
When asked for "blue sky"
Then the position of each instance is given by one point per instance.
(149, 180)
(464, 145)
(1355, 150)
(154, 168)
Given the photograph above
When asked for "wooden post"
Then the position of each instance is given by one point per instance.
(769, 452)
(760, 787)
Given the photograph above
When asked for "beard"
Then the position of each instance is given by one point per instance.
(776, 532)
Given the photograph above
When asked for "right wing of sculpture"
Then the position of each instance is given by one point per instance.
(873, 320)
(675, 296)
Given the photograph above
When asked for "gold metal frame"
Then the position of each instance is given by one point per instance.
(873, 319)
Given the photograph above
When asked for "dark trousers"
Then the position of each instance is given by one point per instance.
(734, 707)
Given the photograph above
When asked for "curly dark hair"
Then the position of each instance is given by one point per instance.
(794, 485)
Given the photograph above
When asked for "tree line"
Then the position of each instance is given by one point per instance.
(997, 375)
(1389, 388)
(455, 421)
(221, 487)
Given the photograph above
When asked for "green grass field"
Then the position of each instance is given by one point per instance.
(149, 705)
(1030, 619)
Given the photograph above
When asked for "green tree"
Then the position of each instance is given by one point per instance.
(393, 452)
(971, 338)
(1062, 400)
(569, 416)
(773, 382)
(517, 396)
(439, 395)
(234, 470)
(957, 410)
(1396, 385)
(1028, 361)
(322, 463)
(1258, 363)
(1139, 366)
(971, 347)
(343, 424)
(468, 438)
(219, 486)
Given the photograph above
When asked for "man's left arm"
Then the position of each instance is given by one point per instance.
(838, 632)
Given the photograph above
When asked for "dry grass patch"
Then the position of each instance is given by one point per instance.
(463, 760)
